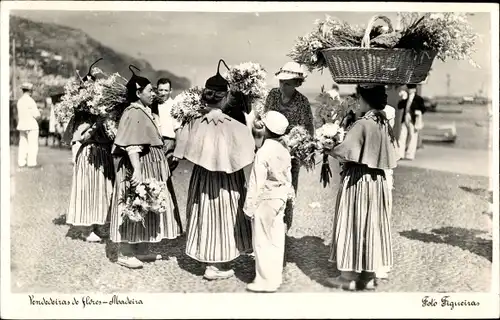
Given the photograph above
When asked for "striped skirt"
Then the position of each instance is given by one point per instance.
(218, 230)
(92, 187)
(157, 226)
(361, 227)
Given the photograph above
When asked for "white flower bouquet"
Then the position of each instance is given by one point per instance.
(331, 110)
(248, 78)
(151, 196)
(109, 93)
(187, 105)
(101, 98)
(333, 114)
(302, 146)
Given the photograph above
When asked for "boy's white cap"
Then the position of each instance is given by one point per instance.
(275, 122)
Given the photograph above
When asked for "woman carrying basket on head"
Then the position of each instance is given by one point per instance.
(361, 232)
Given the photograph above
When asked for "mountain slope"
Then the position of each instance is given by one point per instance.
(61, 50)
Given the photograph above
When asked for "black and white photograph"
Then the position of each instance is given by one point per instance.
(249, 160)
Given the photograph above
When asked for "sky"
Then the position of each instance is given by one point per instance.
(190, 44)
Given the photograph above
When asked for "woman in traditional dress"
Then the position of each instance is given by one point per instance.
(296, 108)
(220, 147)
(138, 156)
(361, 233)
(93, 174)
(93, 177)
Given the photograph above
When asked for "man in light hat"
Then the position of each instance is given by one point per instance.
(269, 189)
(27, 125)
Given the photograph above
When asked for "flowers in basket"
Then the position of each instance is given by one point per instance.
(302, 146)
(449, 34)
(327, 33)
(151, 196)
(187, 105)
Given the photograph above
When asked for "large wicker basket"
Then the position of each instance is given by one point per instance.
(351, 65)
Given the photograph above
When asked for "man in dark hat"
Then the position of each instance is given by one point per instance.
(413, 109)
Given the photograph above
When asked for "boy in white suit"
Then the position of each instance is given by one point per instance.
(269, 188)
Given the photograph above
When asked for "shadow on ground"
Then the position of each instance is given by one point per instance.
(481, 192)
(466, 239)
(310, 254)
(79, 232)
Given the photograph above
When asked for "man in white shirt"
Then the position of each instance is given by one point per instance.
(168, 125)
(27, 125)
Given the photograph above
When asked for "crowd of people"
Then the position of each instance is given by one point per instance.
(230, 213)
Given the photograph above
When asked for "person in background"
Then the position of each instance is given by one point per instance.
(361, 231)
(168, 125)
(27, 125)
(295, 107)
(412, 122)
(161, 108)
(270, 187)
(287, 100)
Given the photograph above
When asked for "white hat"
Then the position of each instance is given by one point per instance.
(291, 70)
(26, 86)
(275, 122)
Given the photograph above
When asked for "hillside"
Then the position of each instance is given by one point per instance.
(59, 50)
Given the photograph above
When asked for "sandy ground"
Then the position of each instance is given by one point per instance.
(441, 237)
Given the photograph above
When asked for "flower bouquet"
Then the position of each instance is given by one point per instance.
(109, 93)
(151, 196)
(333, 114)
(302, 146)
(102, 98)
(187, 105)
(382, 54)
(250, 79)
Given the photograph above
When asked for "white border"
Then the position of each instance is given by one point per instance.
(241, 305)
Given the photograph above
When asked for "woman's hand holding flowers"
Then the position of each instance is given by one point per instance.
(136, 178)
